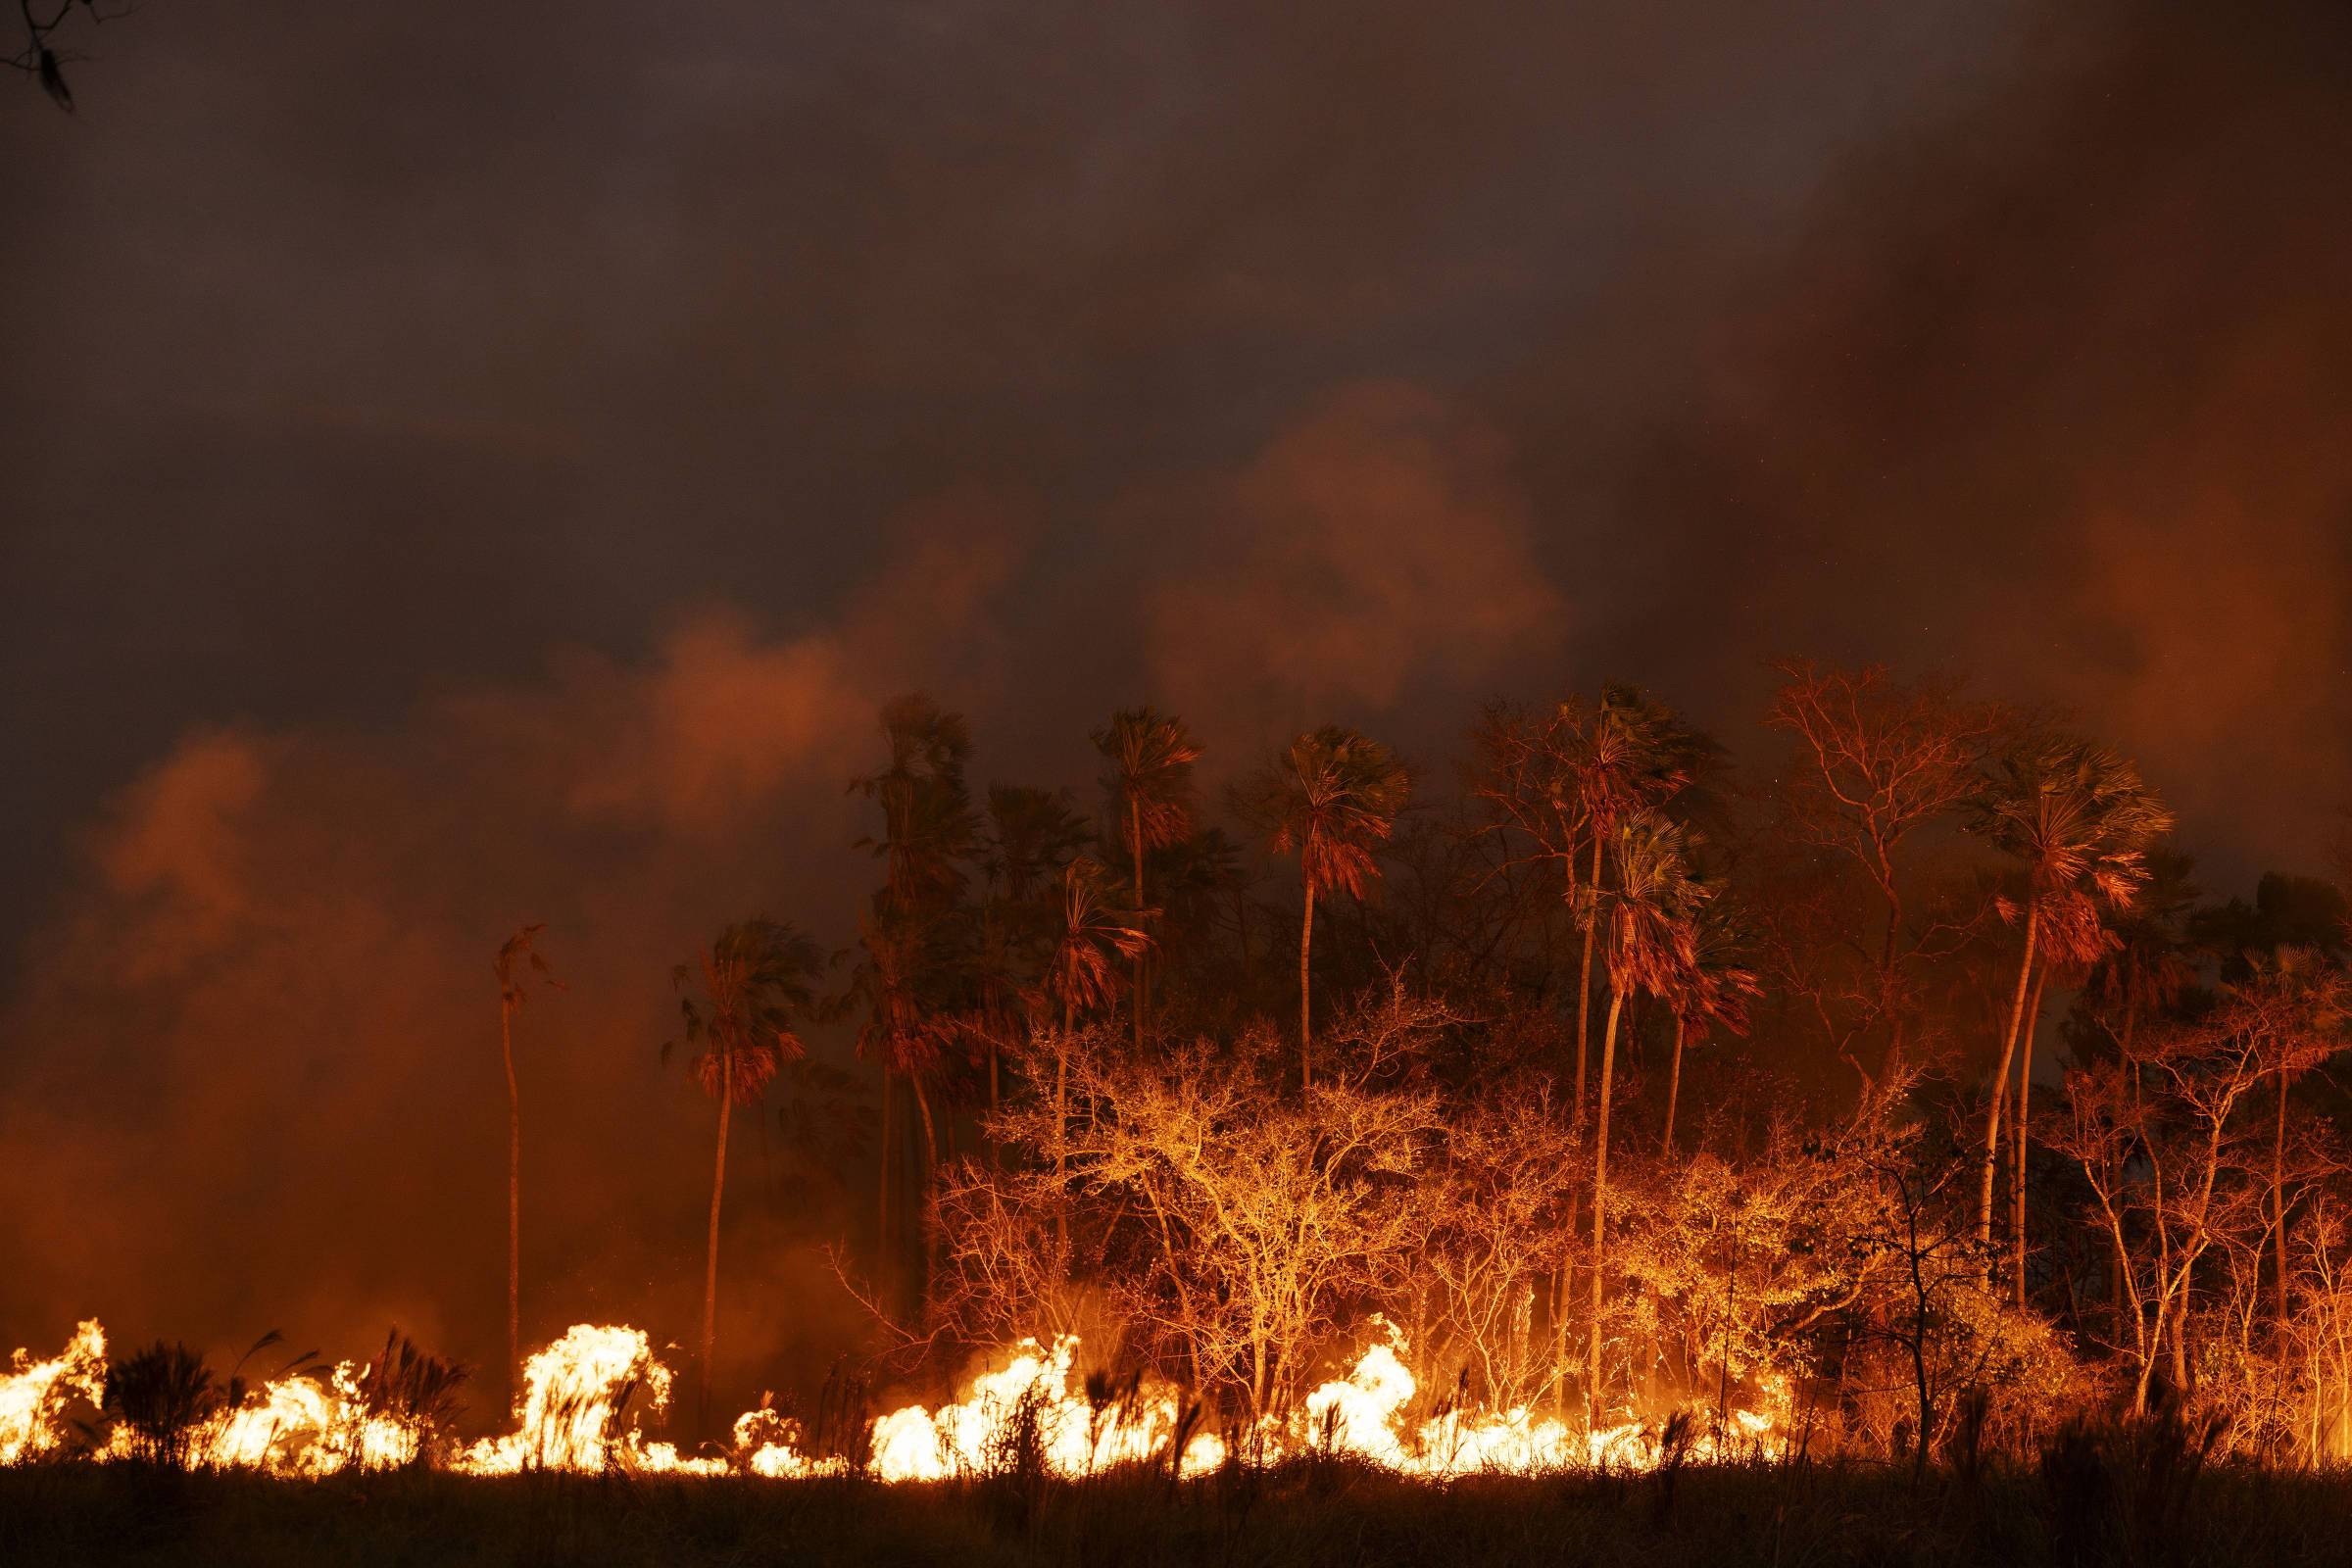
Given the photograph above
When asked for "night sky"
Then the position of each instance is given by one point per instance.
(461, 466)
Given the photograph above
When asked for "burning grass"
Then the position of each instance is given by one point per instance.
(1036, 1465)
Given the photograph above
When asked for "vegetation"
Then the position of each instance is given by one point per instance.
(518, 963)
(1760, 1228)
(2087, 1501)
(754, 984)
(1820, 984)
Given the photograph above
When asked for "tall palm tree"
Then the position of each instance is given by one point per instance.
(2078, 821)
(898, 1030)
(755, 984)
(1712, 990)
(517, 961)
(1649, 918)
(1328, 797)
(1630, 756)
(927, 824)
(1096, 931)
(1033, 834)
(929, 834)
(1149, 773)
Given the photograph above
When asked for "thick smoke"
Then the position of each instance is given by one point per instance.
(259, 1080)
(2056, 396)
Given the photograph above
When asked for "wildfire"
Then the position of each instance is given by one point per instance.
(34, 1396)
(575, 1393)
(586, 1394)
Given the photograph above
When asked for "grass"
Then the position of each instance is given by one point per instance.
(1307, 1512)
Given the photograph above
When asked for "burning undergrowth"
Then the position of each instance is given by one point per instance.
(592, 1395)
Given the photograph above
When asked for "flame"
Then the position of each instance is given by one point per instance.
(586, 1394)
(576, 1394)
(34, 1395)
(296, 1426)
(1075, 1436)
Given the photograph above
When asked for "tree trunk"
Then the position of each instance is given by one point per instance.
(2279, 1203)
(923, 1169)
(1583, 978)
(1600, 1205)
(882, 1197)
(2017, 1179)
(1135, 817)
(1062, 1127)
(996, 1150)
(1673, 1084)
(718, 1186)
(1306, 935)
(505, 1043)
(2000, 1082)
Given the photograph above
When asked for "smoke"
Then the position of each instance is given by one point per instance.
(259, 1078)
(1379, 538)
(2052, 392)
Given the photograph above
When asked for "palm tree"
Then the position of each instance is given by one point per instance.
(899, 1032)
(1033, 835)
(1149, 775)
(2148, 966)
(1711, 991)
(1081, 972)
(927, 822)
(517, 961)
(2078, 821)
(1329, 797)
(929, 832)
(1650, 918)
(756, 983)
(1630, 756)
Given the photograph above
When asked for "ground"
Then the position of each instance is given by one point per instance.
(1308, 1513)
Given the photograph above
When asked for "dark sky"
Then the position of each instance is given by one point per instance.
(465, 464)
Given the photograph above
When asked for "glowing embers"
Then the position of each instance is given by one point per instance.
(34, 1394)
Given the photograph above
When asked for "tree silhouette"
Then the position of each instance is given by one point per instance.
(1649, 918)
(755, 982)
(518, 963)
(1709, 992)
(911, 948)
(1082, 974)
(41, 58)
(1328, 797)
(2079, 822)
(1630, 756)
(2297, 1006)
(1149, 776)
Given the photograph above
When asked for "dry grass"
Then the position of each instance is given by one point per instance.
(1308, 1512)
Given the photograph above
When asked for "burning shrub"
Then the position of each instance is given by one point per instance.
(411, 1393)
